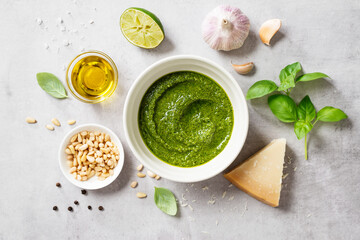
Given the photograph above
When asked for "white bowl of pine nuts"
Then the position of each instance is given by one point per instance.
(91, 156)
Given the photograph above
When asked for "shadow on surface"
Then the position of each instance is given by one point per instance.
(277, 38)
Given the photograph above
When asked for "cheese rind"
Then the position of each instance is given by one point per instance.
(260, 176)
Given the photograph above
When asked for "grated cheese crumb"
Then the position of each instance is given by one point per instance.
(205, 188)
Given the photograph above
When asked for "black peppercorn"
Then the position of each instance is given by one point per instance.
(83, 191)
(58, 184)
(55, 208)
(70, 209)
(101, 208)
(76, 202)
(89, 207)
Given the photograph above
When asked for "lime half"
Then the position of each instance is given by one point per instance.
(141, 27)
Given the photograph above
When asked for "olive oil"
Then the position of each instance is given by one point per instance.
(93, 77)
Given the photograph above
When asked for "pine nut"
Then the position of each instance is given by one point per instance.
(50, 127)
(72, 149)
(90, 158)
(83, 147)
(140, 167)
(73, 139)
(101, 178)
(73, 169)
(140, 175)
(107, 137)
(55, 122)
(71, 122)
(151, 174)
(83, 158)
(157, 177)
(141, 195)
(30, 120)
(79, 137)
(68, 151)
(134, 184)
(92, 173)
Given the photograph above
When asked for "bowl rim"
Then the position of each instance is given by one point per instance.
(80, 184)
(245, 114)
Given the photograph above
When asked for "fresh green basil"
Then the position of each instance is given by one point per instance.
(311, 76)
(287, 76)
(301, 128)
(165, 201)
(51, 84)
(331, 114)
(306, 110)
(260, 89)
(283, 107)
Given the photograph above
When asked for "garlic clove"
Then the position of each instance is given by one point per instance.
(243, 68)
(225, 28)
(268, 30)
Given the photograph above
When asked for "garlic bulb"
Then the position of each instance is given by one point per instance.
(225, 28)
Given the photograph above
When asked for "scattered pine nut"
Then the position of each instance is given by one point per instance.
(157, 177)
(151, 174)
(140, 167)
(55, 122)
(30, 120)
(71, 122)
(141, 195)
(50, 127)
(134, 184)
(141, 175)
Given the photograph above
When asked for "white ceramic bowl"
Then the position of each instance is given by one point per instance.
(92, 183)
(224, 79)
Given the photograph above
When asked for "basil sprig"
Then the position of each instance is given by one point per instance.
(165, 201)
(303, 115)
(51, 84)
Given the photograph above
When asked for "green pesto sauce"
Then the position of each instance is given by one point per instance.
(185, 119)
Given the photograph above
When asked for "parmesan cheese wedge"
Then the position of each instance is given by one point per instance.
(260, 176)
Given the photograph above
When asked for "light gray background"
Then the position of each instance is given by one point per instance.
(320, 200)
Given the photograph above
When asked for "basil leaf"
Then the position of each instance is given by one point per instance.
(301, 128)
(306, 110)
(165, 201)
(287, 76)
(260, 89)
(331, 114)
(283, 107)
(51, 84)
(311, 76)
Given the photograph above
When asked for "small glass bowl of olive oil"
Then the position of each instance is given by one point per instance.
(92, 77)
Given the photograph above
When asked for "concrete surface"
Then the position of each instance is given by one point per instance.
(320, 200)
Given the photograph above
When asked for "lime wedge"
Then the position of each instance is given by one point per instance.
(142, 28)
